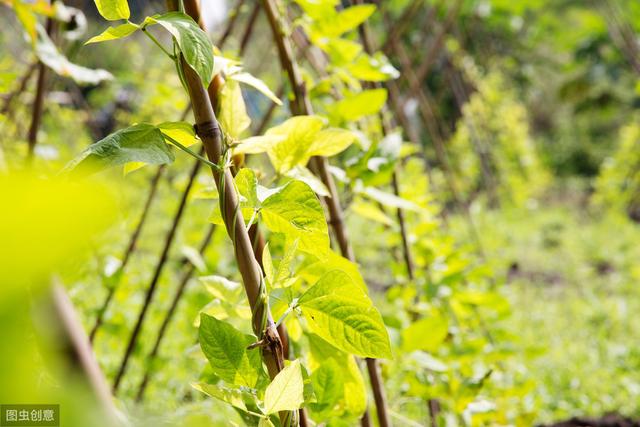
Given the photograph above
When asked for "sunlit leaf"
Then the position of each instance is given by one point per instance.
(49, 55)
(113, 10)
(233, 111)
(257, 84)
(182, 132)
(285, 392)
(237, 397)
(295, 211)
(359, 105)
(339, 311)
(114, 33)
(425, 334)
(139, 143)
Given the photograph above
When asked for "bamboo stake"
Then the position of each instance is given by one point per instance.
(301, 105)
(436, 47)
(208, 130)
(38, 102)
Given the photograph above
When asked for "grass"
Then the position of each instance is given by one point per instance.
(572, 280)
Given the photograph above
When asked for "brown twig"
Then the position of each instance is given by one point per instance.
(38, 102)
(22, 85)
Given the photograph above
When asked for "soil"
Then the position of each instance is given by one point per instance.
(609, 420)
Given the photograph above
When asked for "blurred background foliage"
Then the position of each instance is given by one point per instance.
(536, 103)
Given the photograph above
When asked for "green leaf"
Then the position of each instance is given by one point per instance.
(294, 149)
(265, 422)
(247, 185)
(233, 112)
(222, 288)
(192, 41)
(237, 397)
(314, 271)
(114, 33)
(257, 84)
(182, 132)
(370, 211)
(346, 20)
(303, 174)
(258, 144)
(354, 394)
(295, 211)
(330, 142)
(113, 10)
(286, 391)
(52, 58)
(27, 18)
(318, 9)
(359, 105)
(340, 312)
(372, 68)
(387, 199)
(226, 349)
(328, 385)
(425, 334)
(139, 143)
(341, 51)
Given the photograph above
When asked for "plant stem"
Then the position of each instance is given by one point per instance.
(209, 131)
(302, 105)
(436, 47)
(157, 43)
(246, 36)
(232, 21)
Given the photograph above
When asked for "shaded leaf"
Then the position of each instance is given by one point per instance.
(226, 350)
(139, 143)
(192, 41)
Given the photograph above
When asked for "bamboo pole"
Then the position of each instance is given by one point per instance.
(208, 130)
(301, 105)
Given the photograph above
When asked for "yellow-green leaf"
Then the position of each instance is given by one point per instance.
(233, 112)
(182, 132)
(359, 105)
(114, 33)
(257, 84)
(425, 334)
(294, 149)
(295, 211)
(340, 312)
(329, 142)
(113, 10)
(286, 391)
